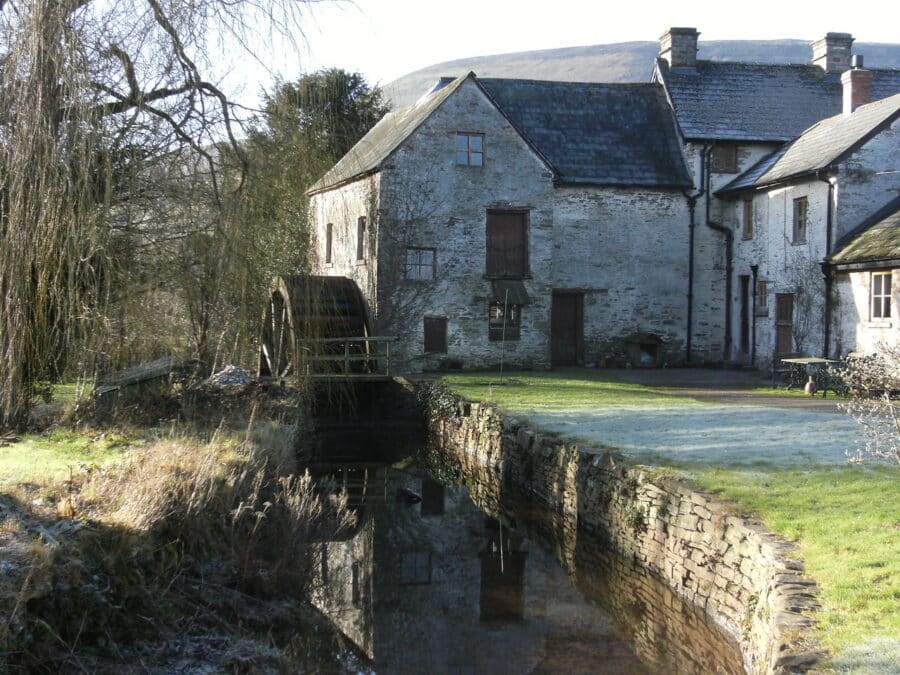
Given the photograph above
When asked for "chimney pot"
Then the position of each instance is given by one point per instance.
(678, 46)
(857, 61)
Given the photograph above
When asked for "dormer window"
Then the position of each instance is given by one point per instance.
(469, 149)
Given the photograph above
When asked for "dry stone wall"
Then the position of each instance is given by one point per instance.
(748, 580)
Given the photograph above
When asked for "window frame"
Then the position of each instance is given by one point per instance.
(800, 229)
(747, 229)
(361, 225)
(406, 263)
(468, 152)
(880, 302)
(496, 330)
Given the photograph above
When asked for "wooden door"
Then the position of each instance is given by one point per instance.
(745, 313)
(784, 323)
(567, 329)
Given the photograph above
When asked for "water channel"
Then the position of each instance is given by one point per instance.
(453, 573)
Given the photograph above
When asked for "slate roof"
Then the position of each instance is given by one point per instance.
(758, 102)
(875, 242)
(819, 147)
(598, 134)
(385, 137)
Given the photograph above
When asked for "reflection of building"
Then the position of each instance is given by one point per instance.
(438, 587)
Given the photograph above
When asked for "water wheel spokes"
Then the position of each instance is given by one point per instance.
(277, 348)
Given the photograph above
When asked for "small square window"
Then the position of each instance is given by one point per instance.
(504, 321)
(881, 295)
(469, 149)
(747, 222)
(420, 264)
(801, 220)
(724, 158)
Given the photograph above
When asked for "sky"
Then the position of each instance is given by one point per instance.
(385, 39)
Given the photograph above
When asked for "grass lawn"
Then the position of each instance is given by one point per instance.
(46, 458)
(846, 519)
(847, 522)
(521, 391)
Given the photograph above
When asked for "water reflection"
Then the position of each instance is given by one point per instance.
(454, 579)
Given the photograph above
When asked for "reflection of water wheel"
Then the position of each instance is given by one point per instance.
(302, 310)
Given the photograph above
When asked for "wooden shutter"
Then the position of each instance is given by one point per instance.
(436, 334)
(507, 244)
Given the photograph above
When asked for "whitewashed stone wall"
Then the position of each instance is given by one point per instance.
(430, 201)
(342, 207)
(855, 331)
(867, 180)
(785, 266)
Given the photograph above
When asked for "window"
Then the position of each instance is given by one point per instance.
(747, 222)
(881, 295)
(801, 219)
(504, 325)
(361, 238)
(420, 264)
(507, 244)
(329, 242)
(436, 334)
(415, 567)
(469, 149)
(762, 298)
(724, 158)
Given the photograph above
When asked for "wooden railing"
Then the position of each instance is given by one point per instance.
(347, 357)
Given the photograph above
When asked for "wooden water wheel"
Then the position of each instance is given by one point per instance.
(304, 317)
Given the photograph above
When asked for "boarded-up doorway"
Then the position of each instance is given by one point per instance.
(784, 323)
(567, 328)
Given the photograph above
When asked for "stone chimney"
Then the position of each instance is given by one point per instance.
(857, 85)
(678, 46)
(832, 52)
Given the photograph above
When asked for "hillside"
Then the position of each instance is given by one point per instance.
(623, 62)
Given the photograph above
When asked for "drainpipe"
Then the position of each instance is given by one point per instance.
(692, 207)
(755, 270)
(826, 267)
(729, 256)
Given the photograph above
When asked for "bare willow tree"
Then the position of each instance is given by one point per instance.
(93, 90)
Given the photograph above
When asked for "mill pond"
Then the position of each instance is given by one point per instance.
(453, 570)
